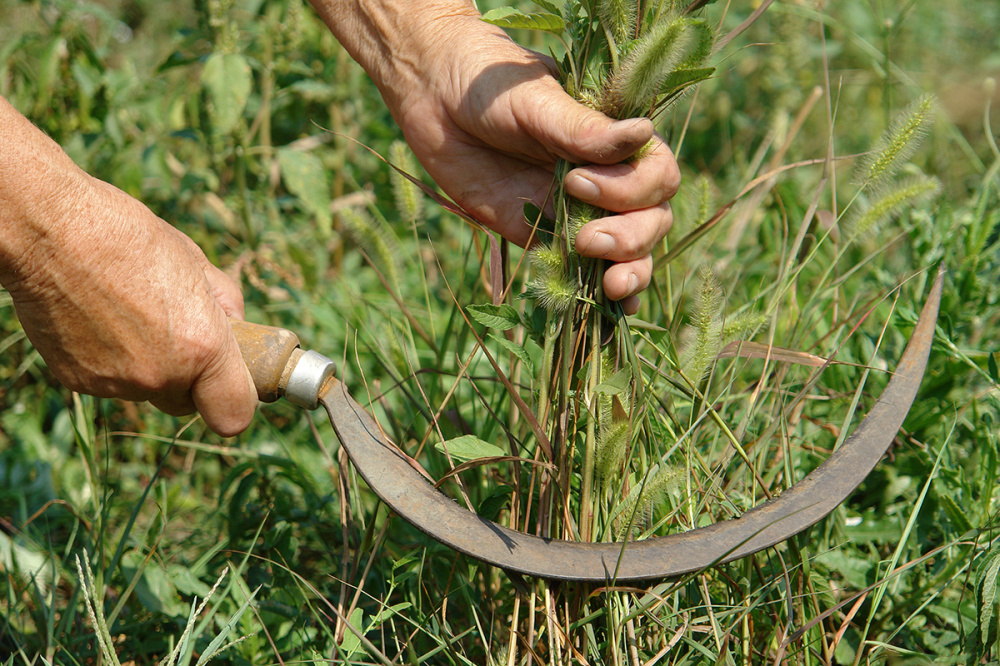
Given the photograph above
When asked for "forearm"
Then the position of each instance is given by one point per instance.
(37, 182)
(394, 40)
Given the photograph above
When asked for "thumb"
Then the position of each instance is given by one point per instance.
(580, 134)
(224, 394)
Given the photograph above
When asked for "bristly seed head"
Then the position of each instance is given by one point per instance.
(618, 18)
(409, 198)
(637, 511)
(579, 215)
(633, 88)
(897, 144)
(891, 201)
(546, 258)
(554, 290)
(612, 445)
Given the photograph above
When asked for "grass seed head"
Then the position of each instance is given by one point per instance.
(579, 215)
(546, 258)
(618, 18)
(897, 144)
(612, 447)
(703, 337)
(555, 291)
(376, 239)
(637, 510)
(890, 201)
(706, 198)
(409, 198)
(743, 326)
(633, 88)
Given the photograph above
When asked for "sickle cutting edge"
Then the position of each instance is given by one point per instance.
(306, 378)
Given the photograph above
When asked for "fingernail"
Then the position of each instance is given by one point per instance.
(628, 125)
(582, 188)
(601, 245)
(633, 283)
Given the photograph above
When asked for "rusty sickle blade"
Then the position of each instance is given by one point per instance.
(409, 494)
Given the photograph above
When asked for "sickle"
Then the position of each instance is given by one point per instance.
(306, 378)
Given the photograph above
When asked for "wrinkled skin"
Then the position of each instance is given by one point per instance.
(512, 140)
(120, 304)
(488, 119)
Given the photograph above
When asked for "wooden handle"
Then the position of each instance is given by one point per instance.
(268, 353)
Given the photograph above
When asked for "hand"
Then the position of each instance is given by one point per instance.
(488, 120)
(122, 305)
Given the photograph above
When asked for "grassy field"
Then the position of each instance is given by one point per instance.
(244, 123)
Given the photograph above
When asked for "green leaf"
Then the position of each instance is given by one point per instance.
(497, 317)
(991, 363)
(517, 350)
(548, 6)
(155, 591)
(351, 643)
(387, 612)
(988, 598)
(491, 507)
(616, 383)
(683, 78)
(227, 80)
(305, 177)
(956, 514)
(509, 17)
(220, 642)
(470, 447)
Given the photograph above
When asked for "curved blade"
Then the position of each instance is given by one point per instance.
(409, 494)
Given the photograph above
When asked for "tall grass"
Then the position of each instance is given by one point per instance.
(312, 227)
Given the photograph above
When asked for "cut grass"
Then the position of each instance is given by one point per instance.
(906, 568)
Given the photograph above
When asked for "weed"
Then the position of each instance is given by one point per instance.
(904, 570)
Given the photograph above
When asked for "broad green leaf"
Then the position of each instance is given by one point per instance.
(470, 447)
(491, 507)
(305, 177)
(988, 602)
(497, 317)
(351, 643)
(682, 78)
(186, 582)
(991, 363)
(155, 591)
(517, 350)
(228, 80)
(616, 383)
(509, 17)
(548, 6)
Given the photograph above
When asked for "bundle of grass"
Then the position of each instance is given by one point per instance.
(627, 59)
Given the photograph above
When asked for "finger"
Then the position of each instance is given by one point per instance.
(225, 291)
(630, 185)
(628, 278)
(630, 305)
(224, 393)
(576, 132)
(176, 404)
(625, 237)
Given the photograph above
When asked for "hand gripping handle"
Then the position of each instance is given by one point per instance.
(279, 367)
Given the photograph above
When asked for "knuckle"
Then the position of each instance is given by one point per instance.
(630, 246)
(671, 182)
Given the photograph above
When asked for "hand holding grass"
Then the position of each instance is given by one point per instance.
(489, 120)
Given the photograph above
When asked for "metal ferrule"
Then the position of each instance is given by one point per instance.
(309, 373)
